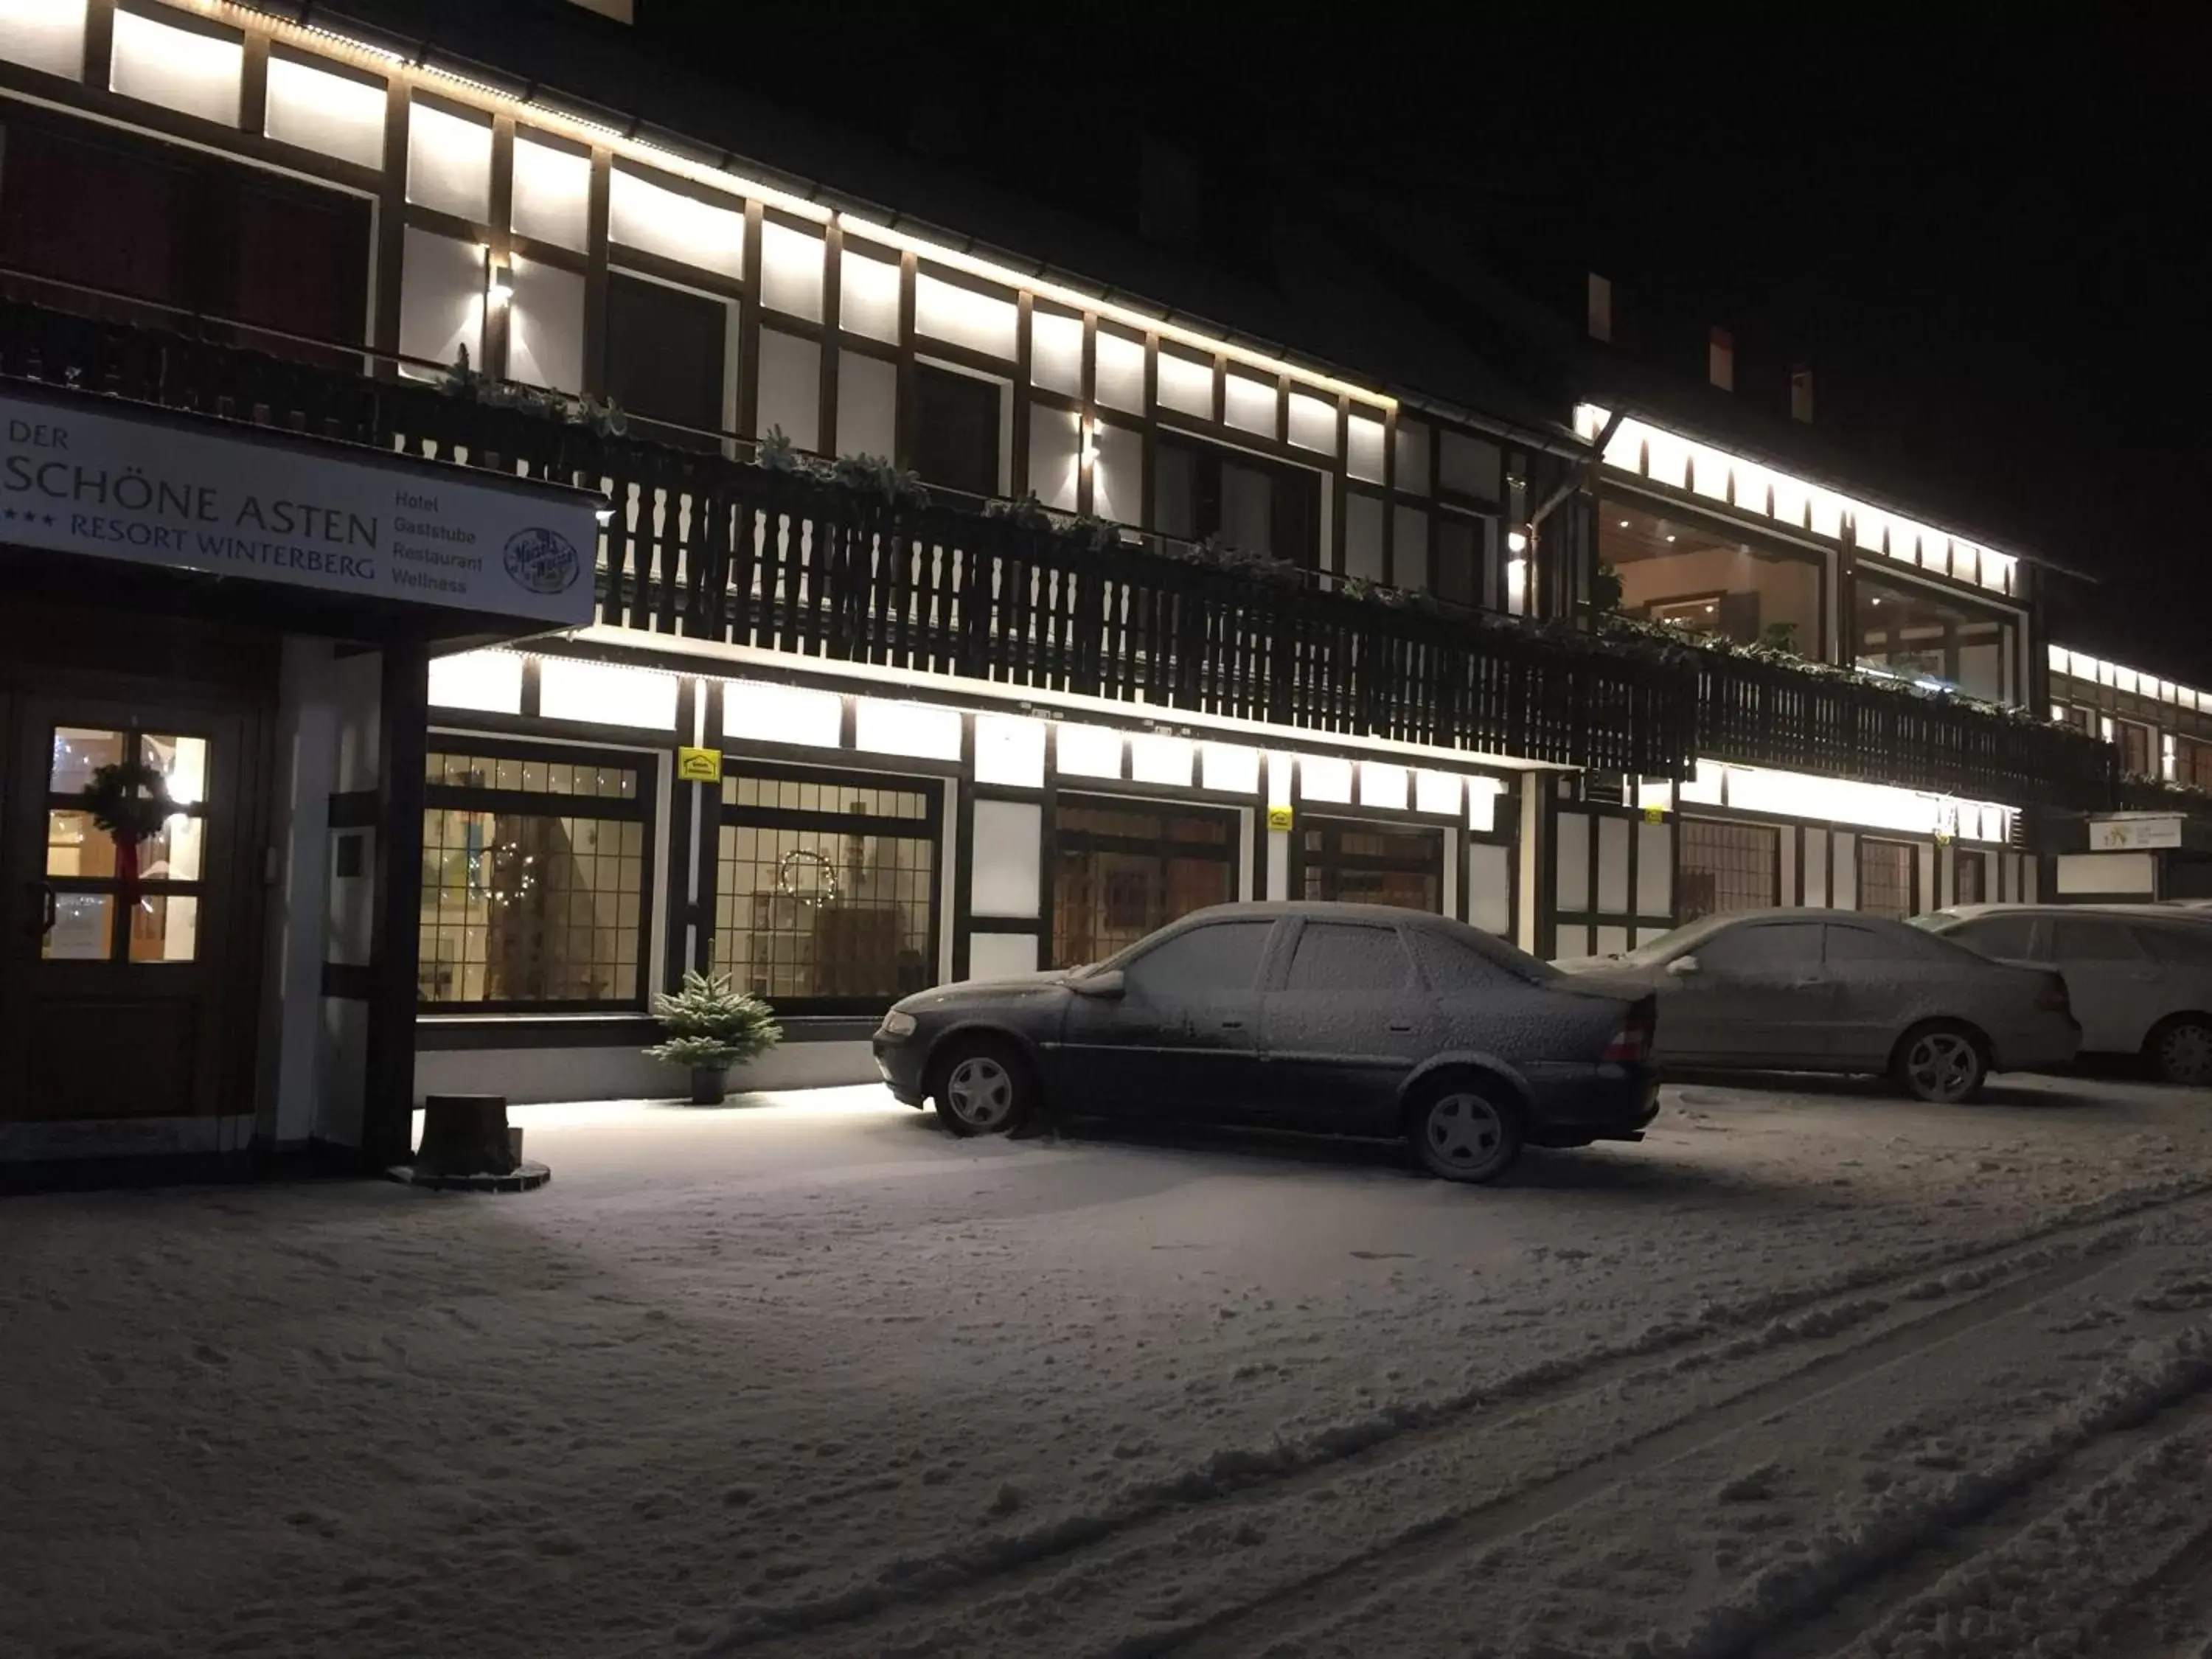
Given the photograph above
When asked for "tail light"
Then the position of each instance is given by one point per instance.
(1631, 1044)
(2052, 997)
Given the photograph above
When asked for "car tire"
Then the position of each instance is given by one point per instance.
(1466, 1130)
(2180, 1052)
(982, 1086)
(1943, 1063)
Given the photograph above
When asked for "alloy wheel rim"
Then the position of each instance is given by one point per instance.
(1942, 1065)
(1465, 1131)
(2187, 1052)
(980, 1092)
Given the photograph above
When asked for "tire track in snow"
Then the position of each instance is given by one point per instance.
(1978, 1525)
(2023, 1266)
(1259, 1624)
(2083, 1580)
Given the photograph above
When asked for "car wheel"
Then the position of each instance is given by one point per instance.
(1463, 1132)
(2181, 1053)
(982, 1088)
(1943, 1065)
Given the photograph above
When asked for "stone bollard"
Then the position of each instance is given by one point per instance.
(467, 1147)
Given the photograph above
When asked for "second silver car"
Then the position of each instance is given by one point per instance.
(1836, 991)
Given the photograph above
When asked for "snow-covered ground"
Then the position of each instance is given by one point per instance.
(1811, 1371)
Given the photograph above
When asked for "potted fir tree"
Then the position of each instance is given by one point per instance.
(710, 1028)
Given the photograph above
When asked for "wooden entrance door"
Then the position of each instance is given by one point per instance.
(116, 1004)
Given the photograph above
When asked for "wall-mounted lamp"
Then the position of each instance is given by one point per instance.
(499, 291)
(1516, 541)
(1089, 442)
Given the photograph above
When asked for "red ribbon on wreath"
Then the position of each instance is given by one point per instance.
(130, 801)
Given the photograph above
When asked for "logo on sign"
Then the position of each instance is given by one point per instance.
(542, 561)
(698, 765)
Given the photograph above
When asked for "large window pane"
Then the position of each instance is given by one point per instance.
(1368, 864)
(956, 444)
(1121, 870)
(665, 356)
(825, 887)
(1711, 578)
(1726, 868)
(532, 905)
(1903, 629)
(1886, 877)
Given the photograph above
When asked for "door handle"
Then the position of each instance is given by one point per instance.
(1232, 1025)
(1401, 1025)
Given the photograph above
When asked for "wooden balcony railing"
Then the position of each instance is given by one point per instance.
(1764, 713)
(706, 546)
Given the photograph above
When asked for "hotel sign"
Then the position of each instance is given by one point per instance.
(78, 475)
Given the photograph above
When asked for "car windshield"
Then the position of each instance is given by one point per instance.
(1935, 921)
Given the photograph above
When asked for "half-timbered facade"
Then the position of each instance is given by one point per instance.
(952, 614)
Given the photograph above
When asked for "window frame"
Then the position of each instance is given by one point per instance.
(642, 808)
(1332, 827)
(1885, 574)
(720, 813)
(1683, 839)
(1614, 498)
(194, 888)
(675, 434)
(1062, 838)
(1912, 894)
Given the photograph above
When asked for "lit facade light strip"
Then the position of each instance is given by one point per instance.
(736, 184)
(1668, 457)
(1808, 798)
(2095, 671)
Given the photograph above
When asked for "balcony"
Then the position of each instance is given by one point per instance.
(1764, 713)
(706, 546)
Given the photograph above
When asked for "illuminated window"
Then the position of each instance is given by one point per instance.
(1122, 869)
(85, 919)
(1712, 578)
(2192, 763)
(825, 895)
(2133, 740)
(1919, 633)
(535, 869)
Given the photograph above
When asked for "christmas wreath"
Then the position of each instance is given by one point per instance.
(130, 801)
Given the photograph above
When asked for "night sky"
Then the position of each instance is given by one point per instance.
(1974, 223)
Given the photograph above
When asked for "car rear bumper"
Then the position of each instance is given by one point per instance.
(2048, 1045)
(1591, 1102)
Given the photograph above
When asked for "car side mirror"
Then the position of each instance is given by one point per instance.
(1107, 985)
(1682, 967)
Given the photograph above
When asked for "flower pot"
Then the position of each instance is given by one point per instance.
(709, 1085)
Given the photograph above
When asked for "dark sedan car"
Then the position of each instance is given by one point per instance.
(1345, 1018)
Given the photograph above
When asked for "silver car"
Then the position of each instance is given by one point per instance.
(1836, 991)
(2140, 976)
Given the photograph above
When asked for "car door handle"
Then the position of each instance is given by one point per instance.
(1401, 1025)
(1232, 1025)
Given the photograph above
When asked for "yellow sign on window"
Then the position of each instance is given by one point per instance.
(699, 765)
(1279, 817)
(1655, 813)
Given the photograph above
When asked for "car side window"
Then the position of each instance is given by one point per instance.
(1847, 943)
(1334, 955)
(2092, 939)
(1761, 948)
(1222, 956)
(2012, 938)
(1454, 967)
(2185, 946)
